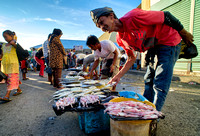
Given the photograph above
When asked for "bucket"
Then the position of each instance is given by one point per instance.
(131, 128)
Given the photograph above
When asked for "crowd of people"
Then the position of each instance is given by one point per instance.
(50, 54)
(52, 58)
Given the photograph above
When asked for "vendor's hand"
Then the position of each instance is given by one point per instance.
(13, 42)
(112, 68)
(88, 76)
(186, 36)
(96, 78)
(115, 79)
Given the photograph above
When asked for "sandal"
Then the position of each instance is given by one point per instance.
(60, 88)
(20, 82)
(5, 99)
(17, 93)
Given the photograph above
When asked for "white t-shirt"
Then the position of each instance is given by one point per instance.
(80, 55)
(88, 60)
(45, 48)
(107, 49)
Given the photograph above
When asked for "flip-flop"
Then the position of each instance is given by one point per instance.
(17, 93)
(60, 88)
(5, 99)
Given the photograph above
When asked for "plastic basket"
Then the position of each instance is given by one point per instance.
(94, 121)
(130, 128)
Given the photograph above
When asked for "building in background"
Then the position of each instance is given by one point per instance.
(80, 45)
(188, 12)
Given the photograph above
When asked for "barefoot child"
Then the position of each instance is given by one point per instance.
(10, 65)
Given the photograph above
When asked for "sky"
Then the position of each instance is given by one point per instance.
(33, 20)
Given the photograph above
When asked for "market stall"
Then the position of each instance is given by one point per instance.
(101, 109)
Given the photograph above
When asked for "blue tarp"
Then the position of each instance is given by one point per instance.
(69, 44)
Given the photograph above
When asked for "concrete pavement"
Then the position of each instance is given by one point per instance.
(31, 114)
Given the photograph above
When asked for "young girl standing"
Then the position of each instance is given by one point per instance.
(10, 65)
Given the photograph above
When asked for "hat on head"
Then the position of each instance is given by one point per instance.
(97, 13)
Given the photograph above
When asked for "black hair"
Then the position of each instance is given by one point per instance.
(92, 40)
(123, 51)
(57, 32)
(9, 32)
(80, 61)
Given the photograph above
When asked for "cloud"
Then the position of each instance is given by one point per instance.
(116, 3)
(60, 22)
(24, 20)
(23, 11)
(69, 11)
(2, 25)
(27, 40)
(57, 1)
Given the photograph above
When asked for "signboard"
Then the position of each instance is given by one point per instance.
(78, 48)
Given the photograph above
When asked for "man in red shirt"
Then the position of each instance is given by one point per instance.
(139, 30)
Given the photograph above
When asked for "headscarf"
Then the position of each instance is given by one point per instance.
(56, 32)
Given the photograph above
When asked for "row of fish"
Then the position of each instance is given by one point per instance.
(89, 99)
(77, 92)
(70, 101)
(132, 109)
(65, 101)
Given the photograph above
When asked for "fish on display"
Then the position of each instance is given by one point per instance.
(132, 109)
(65, 101)
(89, 99)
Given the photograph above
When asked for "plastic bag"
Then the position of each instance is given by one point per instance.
(188, 51)
(21, 53)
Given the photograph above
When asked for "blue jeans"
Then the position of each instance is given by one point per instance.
(46, 60)
(34, 63)
(158, 80)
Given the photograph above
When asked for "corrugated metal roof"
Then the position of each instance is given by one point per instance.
(69, 44)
